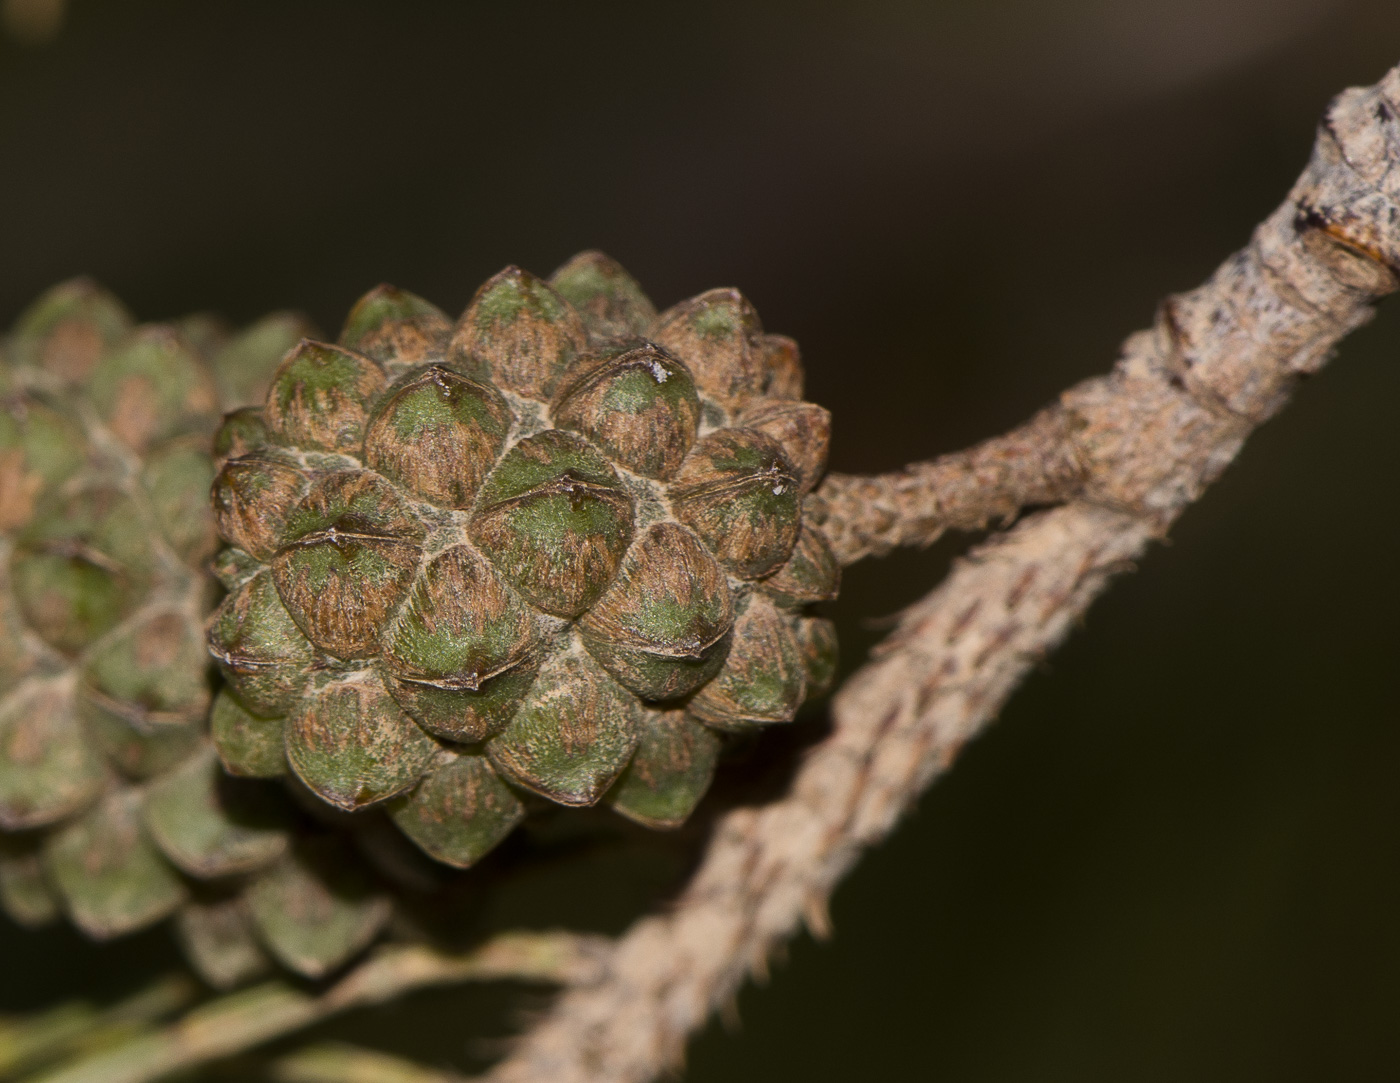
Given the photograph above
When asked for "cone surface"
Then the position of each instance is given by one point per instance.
(114, 807)
(556, 547)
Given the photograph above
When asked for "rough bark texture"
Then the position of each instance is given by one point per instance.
(1122, 456)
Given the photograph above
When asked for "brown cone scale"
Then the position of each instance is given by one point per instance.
(810, 573)
(640, 407)
(670, 772)
(437, 434)
(609, 300)
(47, 771)
(572, 737)
(258, 647)
(660, 629)
(782, 366)
(763, 680)
(317, 909)
(801, 429)
(352, 744)
(461, 650)
(738, 492)
(555, 519)
(253, 495)
(519, 334)
(320, 397)
(816, 642)
(460, 810)
(348, 554)
(393, 326)
(714, 334)
(216, 932)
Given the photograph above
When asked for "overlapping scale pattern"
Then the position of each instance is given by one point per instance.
(555, 548)
(114, 808)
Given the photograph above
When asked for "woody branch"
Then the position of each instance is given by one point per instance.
(1119, 458)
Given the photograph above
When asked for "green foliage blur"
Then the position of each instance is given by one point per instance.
(1177, 855)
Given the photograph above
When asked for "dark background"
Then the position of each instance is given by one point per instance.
(1175, 856)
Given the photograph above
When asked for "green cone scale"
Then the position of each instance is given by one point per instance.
(115, 810)
(555, 548)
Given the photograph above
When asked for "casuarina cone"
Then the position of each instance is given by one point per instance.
(114, 809)
(556, 548)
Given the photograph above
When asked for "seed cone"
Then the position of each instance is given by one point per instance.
(556, 548)
(114, 807)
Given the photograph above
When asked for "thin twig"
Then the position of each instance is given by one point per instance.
(1147, 440)
(967, 490)
(29, 1042)
(244, 1020)
(335, 1062)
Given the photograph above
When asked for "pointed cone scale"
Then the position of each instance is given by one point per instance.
(461, 649)
(176, 479)
(462, 714)
(713, 335)
(810, 574)
(243, 366)
(519, 334)
(350, 550)
(39, 448)
(802, 430)
(573, 735)
(252, 496)
(70, 599)
(258, 647)
(242, 432)
(137, 742)
(152, 387)
(112, 879)
(233, 567)
(660, 628)
(816, 641)
(353, 745)
(394, 326)
(609, 300)
(217, 936)
(47, 768)
(782, 366)
(25, 895)
(460, 811)
(100, 522)
(763, 679)
(639, 406)
(317, 908)
(155, 663)
(68, 329)
(249, 745)
(438, 434)
(738, 492)
(670, 772)
(320, 397)
(555, 519)
(209, 824)
(85, 558)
